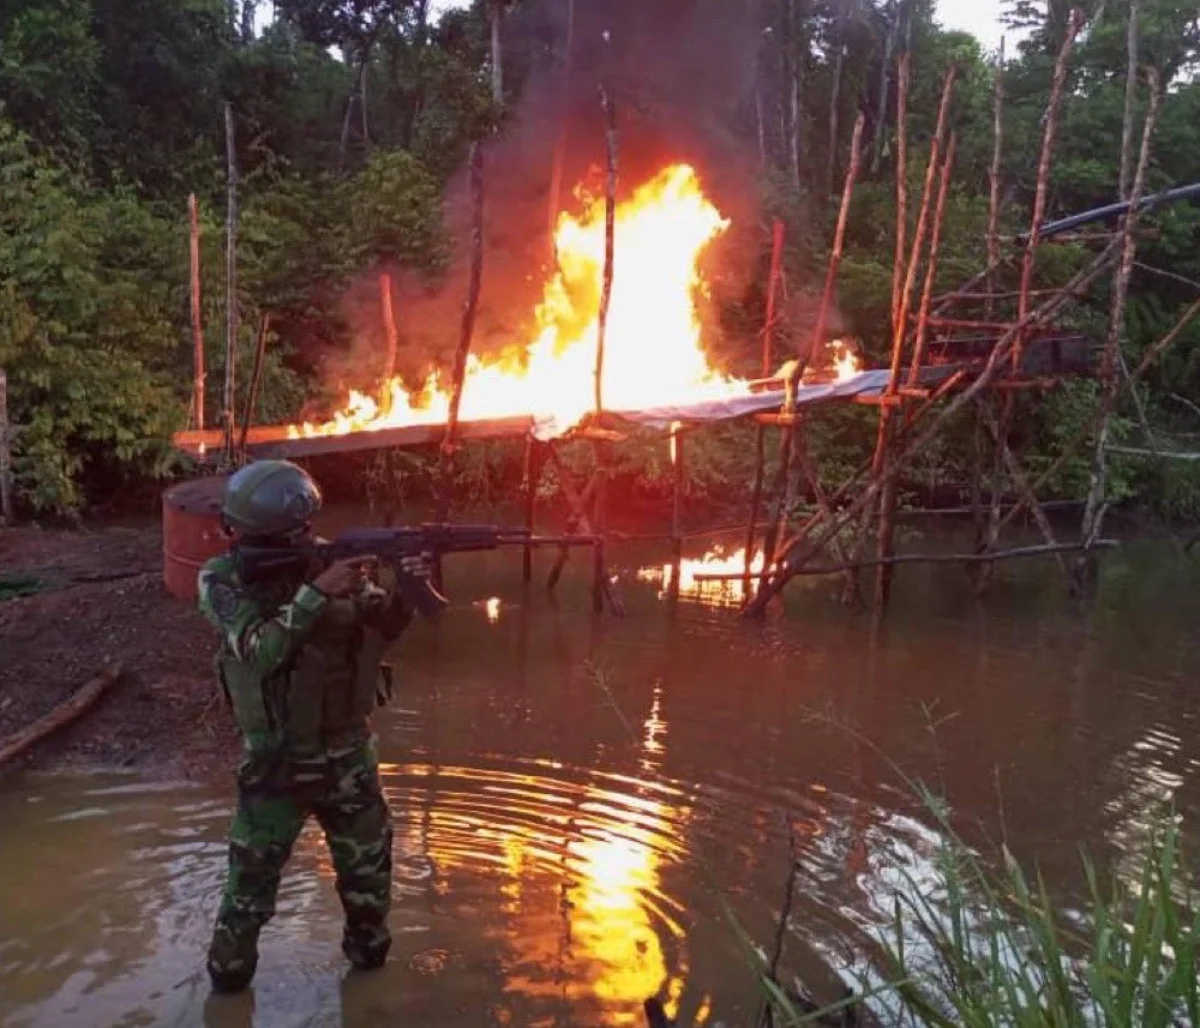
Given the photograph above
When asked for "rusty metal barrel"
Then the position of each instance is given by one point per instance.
(191, 532)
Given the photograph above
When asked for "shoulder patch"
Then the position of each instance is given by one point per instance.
(223, 600)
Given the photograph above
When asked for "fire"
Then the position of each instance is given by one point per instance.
(718, 561)
(652, 353)
(845, 362)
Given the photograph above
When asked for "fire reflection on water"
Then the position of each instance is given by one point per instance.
(574, 869)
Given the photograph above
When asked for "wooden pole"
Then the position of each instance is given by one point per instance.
(471, 306)
(1131, 46)
(389, 327)
(6, 483)
(835, 260)
(599, 514)
(560, 144)
(65, 713)
(1093, 515)
(197, 317)
(978, 447)
(768, 358)
(1045, 159)
(901, 181)
(885, 540)
(533, 474)
(231, 301)
(610, 211)
(798, 549)
(678, 485)
(914, 370)
(260, 349)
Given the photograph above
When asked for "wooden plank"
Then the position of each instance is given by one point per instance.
(272, 442)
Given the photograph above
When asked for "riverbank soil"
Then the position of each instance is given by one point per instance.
(96, 598)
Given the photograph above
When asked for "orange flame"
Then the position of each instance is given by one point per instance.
(653, 354)
(718, 561)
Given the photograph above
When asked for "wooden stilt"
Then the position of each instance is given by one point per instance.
(599, 512)
(260, 350)
(231, 300)
(6, 483)
(197, 316)
(768, 358)
(679, 483)
(1093, 516)
(532, 478)
(1045, 160)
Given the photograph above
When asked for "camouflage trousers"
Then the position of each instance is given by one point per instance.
(342, 791)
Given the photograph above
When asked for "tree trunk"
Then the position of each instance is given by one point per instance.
(889, 46)
(835, 97)
(1130, 90)
(231, 299)
(355, 91)
(497, 13)
(248, 9)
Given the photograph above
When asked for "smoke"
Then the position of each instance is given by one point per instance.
(680, 74)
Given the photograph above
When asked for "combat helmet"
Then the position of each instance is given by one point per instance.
(269, 498)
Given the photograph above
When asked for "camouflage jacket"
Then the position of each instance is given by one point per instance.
(301, 670)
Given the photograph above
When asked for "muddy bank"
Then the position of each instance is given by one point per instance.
(100, 600)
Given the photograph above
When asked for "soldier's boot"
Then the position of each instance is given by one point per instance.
(366, 946)
(232, 957)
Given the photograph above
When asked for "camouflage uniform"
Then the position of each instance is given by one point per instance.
(302, 673)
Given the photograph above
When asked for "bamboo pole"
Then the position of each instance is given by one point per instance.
(835, 261)
(610, 210)
(599, 514)
(801, 546)
(901, 181)
(65, 713)
(389, 327)
(768, 358)
(914, 371)
(197, 316)
(885, 539)
(1093, 515)
(260, 349)
(1045, 159)
(6, 482)
(231, 302)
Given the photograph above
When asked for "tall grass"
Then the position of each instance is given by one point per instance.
(983, 948)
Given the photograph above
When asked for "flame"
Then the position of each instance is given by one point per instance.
(844, 360)
(652, 352)
(717, 561)
(493, 609)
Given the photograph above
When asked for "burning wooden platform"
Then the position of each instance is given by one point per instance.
(971, 352)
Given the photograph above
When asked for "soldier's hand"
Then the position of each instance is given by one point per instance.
(419, 566)
(345, 577)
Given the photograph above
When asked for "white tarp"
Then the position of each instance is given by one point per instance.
(872, 382)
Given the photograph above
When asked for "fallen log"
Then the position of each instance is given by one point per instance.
(65, 713)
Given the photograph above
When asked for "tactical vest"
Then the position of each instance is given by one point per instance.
(322, 698)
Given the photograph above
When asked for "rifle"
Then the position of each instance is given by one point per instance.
(257, 560)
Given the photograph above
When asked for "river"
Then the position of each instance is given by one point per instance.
(579, 803)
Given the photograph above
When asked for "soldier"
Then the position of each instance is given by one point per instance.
(299, 662)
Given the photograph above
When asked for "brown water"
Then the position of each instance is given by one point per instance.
(576, 800)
